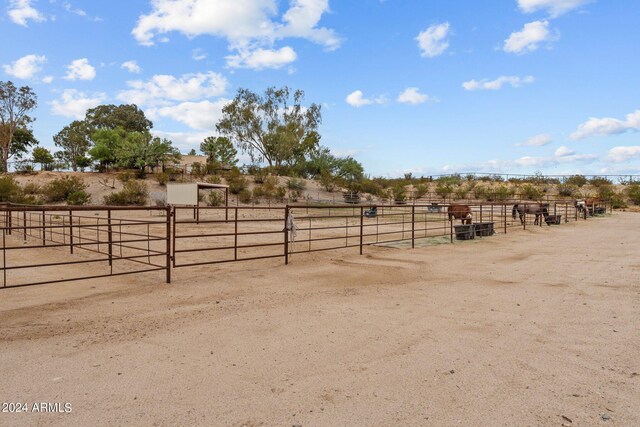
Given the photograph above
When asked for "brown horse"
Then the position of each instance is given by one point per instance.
(583, 204)
(538, 209)
(462, 212)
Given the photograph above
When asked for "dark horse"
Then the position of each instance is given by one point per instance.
(538, 209)
(462, 212)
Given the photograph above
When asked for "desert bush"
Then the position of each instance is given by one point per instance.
(444, 189)
(133, 193)
(237, 182)
(260, 175)
(198, 170)
(567, 190)
(162, 178)
(421, 190)
(59, 189)
(244, 196)
(399, 194)
(126, 175)
(633, 193)
(173, 173)
(599, 181)
(280, 193)
(78, 198)
(215, 198)
(502, 193)
(296, 184)
(480, 192)
(327, 181)
(530, 192)
(454, 179)
(577, 180)
(460, 192)
(31, 188)
(9, 189)
(213, 179)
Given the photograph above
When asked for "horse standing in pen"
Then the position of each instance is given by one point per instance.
(458, 211)
(538, 209)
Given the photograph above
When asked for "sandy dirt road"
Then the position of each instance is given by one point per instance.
(519, 329)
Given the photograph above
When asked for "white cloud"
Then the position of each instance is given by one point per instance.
(201, 115)
(433, 41)
(607, 126)
(563, 151)
(198, 54)
(248, 25)
(529, 38)
(163, 89)
(80, 69)
(357, 99)
(496, 84)
(259, 59)
(47, 79)
(25, 67)
(73, 103)
(131, 66)
(21, 11)
(554, 7)
(536, 141)
(623, 154)
(412, 95)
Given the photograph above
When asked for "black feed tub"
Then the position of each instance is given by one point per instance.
(553, 219)
(484, 229)
(465, 231)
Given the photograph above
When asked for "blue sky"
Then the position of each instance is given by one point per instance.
(426, 87)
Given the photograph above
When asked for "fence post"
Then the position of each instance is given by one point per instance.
(71, 230)
(524, 216)
(505, 218)
(168, 247)
(4, 259)
(235, 236)
(450, 229)
(44, 231)
(24, 219)
(109, 238)
(286, 236)
(566, 212)
(361, 227)
(413, 226)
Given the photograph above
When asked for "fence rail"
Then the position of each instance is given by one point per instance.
(38, 242)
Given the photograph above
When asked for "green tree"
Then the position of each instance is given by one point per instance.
(74, 141)
(43, 156)
(128, 117)
(271, 128)
(106, 142)
(15, 104)
(219, 151)
(192, 152)
(23, 140)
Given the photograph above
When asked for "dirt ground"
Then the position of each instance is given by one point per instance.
(536, 327)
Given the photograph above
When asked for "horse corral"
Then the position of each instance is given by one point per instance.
(119, 241)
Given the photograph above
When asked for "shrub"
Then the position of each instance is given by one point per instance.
(296, 184)
(126, 175)
(9, 189)
(31, 188)
(633, 193)
(173, 173)
(244, 196)
(280, 194)
(162, 178)
(421, 190)
(215, 198)
(213, 179)
(259, 176)
(567, 190)
(599, 181)
(502, 193)
(78, 198)
(237, 182)
(294, 195)
(444, 189)
(461, 192)
(327, 181)
(133, 193)
(198, 170)
(59, 189)
(577, 180)
(530, 192)
(399, 194)
(480, 192)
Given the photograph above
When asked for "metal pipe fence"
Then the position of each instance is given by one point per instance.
(50, 244)
(39, 242)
